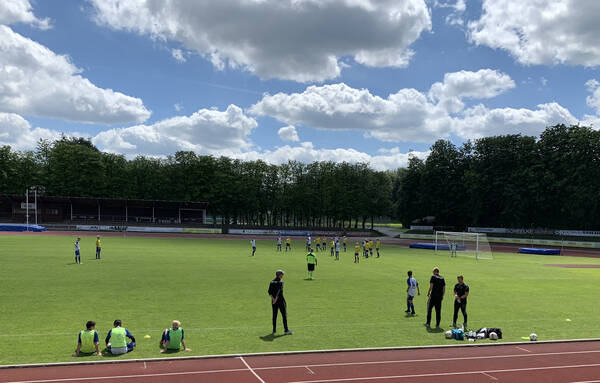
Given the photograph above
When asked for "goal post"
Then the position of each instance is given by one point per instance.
(459, 244)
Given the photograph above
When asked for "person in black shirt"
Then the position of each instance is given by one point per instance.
(278, 301)
(461, 292)
(437, 289)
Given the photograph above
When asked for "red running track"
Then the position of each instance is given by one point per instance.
(567, 362)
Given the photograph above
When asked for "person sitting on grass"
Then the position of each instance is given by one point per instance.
(172, 338)
(119, 344)
(87, 340)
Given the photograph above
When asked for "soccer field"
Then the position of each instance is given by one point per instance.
(219, 293)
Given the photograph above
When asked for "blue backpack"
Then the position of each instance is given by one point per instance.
(458, 334)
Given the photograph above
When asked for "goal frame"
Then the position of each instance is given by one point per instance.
(476, 237)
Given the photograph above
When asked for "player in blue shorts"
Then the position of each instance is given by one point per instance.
(77, 251)
(253, 244)
(413, 286)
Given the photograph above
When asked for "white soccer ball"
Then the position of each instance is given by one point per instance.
(449, 334)
(493, 336)
(533, 337)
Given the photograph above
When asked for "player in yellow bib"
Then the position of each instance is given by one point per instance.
(311, 261)
(288, 244)
(318, 243)
(98, 247)
(356, 251)
(172, 338)
(87, 340)
(345, 243)
(377, 246)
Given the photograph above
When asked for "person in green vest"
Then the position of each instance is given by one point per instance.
(87, 340)
(311, 260)
(116, 339)
(172, 338)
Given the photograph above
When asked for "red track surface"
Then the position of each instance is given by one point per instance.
(533, 362)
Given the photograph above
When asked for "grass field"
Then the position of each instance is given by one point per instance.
(219, 293)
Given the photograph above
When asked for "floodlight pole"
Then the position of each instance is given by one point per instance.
(436, 242)
(35, 204)
(27, 208)
(477, 247)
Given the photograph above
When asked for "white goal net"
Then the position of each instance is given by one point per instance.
(455, 244)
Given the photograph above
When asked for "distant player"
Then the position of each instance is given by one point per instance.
(308, 243)
(345, 242)
(356, 251)
(279, 243)
(371, 248)
(77, 251)
(318, 243)
(98, 247)
(311, 262)
(337, 251)
(365, 248)
(377, 246)
(453, 249)
(410, 291)
(288, 244)
(253, 244)
(332, 248)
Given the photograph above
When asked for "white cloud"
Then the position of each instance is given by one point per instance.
(484, 83)
(16, 132)
(207, 131)
(178, 107)
(20, 11)
(34, 81)
(593, 101)
(412, 116)
(178, 55)
(288, 133)
(480, 121)
(458, 9)
(300, 40)
(541, 31)
(306, 153)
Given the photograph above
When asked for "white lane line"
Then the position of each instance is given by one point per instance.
(489, 376)
(144, 365)
(309, 370)
(129, 376)
(523, 349)
(448, 373)
(428, 360)
(587, 381)
(251, 370)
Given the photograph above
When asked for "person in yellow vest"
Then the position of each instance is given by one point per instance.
(172, 338)
(356, 251)
(116, 339)
(288, 244)
(318, 243)
(377, 246)
(332, 247)
(345, 243)
(98, 247)
(87, 340)
(371, 248)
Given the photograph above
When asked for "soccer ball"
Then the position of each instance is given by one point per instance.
(449, 334)
(493, 336)
(533, 337)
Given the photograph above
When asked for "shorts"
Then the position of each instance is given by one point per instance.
(410, 297)
(76, 252)
(311, 267)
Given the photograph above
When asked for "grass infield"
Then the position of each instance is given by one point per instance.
(219, 293)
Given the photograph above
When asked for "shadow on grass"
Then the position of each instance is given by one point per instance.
(409, 315)
(270, 337)
(435, 329)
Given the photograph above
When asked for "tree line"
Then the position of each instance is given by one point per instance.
(507, 181)
(552, 181)
(322, 194)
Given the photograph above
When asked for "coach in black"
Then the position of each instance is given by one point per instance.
(437, 289)
(461, 292)
(278, 301)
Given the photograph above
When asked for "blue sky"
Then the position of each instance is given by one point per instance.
(347, 80)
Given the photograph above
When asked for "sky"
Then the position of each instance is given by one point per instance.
(373, 81)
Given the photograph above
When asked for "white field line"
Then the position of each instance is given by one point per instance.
(522, 349)
(448, 373)
(489, 376)
(251, 370)
(309, 370)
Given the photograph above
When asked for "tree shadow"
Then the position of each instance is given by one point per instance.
(270, 337)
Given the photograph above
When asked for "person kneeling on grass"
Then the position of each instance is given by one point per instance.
(172, 338)
(87, 340)
(116, 341)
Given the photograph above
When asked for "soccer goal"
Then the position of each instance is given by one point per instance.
(473, 245)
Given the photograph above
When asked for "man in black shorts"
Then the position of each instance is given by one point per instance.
(461, 292)
(278, 301)
(437, 289)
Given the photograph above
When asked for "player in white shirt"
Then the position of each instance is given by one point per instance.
(279, 243)
(77, 253)
(337, 250)
(308, 243)
(413, 286)
(253, 244)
